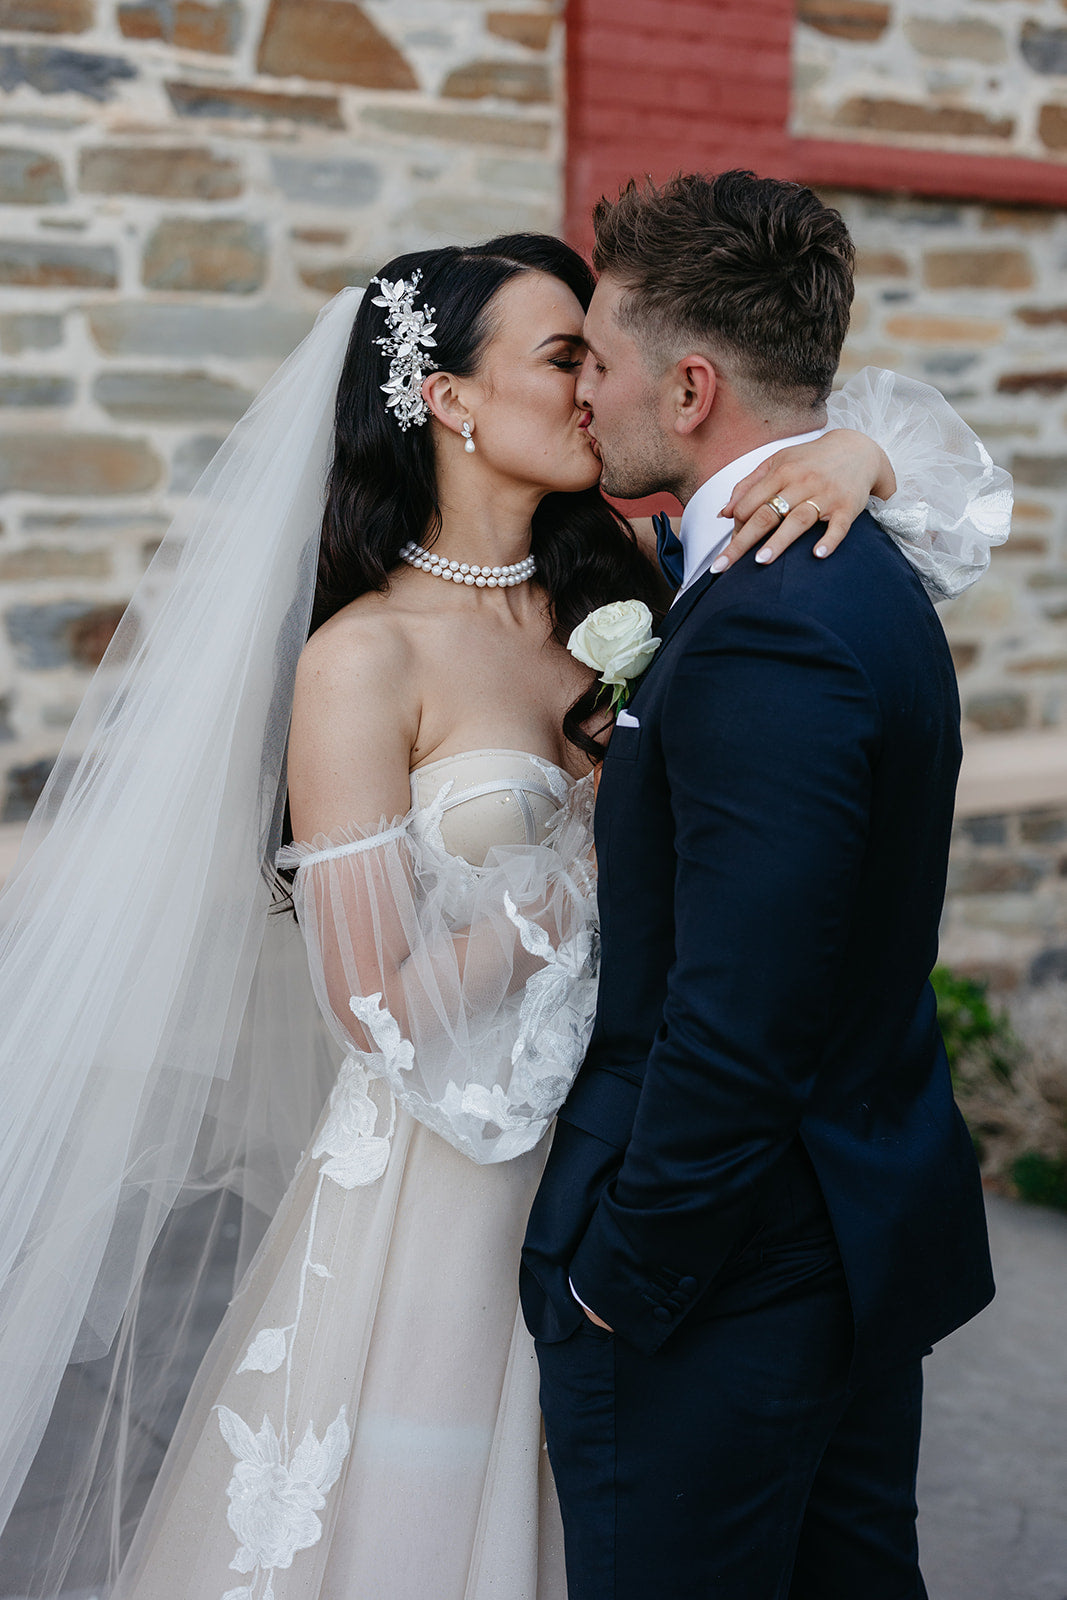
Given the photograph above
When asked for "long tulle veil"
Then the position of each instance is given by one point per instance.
(162, 1062)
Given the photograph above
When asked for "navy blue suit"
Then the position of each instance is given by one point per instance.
(760, 1179)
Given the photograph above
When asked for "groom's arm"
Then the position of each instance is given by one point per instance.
(770, 729)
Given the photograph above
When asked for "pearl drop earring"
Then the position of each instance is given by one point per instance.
(470, 446)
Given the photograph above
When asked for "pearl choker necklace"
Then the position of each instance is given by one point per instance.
(462, 572)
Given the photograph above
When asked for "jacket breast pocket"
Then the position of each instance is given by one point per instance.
(625, 743)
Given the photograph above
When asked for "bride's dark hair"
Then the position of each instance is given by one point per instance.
(382, 488)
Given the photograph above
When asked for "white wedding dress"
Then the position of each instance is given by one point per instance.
(365, 1425)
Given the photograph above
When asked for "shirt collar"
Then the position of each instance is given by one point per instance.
(703, 533)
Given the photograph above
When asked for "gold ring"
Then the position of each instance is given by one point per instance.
(812, 503)
(780, 504)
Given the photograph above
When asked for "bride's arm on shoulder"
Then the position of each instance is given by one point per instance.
(354, 723)
(895, 447)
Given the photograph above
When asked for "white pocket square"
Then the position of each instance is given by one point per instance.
(626, 719)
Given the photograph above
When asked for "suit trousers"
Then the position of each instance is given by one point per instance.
(736, 1463)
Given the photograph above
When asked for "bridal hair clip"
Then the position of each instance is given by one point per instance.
(410, 334)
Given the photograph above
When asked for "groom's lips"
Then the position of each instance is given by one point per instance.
(586, 425)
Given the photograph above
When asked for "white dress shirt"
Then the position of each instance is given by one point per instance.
(703, 533)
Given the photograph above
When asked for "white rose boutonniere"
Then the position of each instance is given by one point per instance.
(618, 642)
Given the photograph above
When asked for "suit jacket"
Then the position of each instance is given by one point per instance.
(772, 842)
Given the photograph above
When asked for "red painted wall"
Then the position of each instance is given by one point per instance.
(660, 86)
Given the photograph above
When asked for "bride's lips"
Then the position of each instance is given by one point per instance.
(586, 425)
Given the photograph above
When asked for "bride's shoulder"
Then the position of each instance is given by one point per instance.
(361, 657)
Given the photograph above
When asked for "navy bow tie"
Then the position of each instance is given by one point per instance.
(669, 551)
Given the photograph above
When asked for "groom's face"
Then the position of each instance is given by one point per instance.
(626, 403)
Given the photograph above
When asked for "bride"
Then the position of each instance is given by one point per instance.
(365, 1423)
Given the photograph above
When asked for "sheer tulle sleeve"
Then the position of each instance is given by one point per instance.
(469, 990)
(952, 504)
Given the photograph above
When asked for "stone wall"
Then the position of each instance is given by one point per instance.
(988, 78)
(182, 184)
(972, 298)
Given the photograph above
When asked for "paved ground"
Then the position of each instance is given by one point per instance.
(993, 1478)
(993, 1481)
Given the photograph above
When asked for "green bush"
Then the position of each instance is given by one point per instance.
(974, 1034)
(1041, 1180)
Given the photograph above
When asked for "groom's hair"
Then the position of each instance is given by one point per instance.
(753, 272)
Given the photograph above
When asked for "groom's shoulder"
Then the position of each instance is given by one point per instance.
(866, 593)
(866, 581)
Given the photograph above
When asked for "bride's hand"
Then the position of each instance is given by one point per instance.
(826, 480)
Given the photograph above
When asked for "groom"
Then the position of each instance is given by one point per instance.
(761, 1207)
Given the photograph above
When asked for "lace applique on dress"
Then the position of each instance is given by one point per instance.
(276, 1492)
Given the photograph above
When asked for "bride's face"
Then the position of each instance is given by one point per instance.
(527, 427)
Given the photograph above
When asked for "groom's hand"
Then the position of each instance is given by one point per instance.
(596, 1321)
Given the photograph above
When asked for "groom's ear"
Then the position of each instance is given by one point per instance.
(695, 387)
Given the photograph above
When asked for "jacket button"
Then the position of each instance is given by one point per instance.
(661, 1314)
(687, 1285)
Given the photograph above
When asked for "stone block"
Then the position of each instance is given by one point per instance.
(982, 875)
(27, 389)
(956, 39)
(7, 732)
(1044, 49)
(964, 655)
(190, 459)
(35, 563)
(29, 330)
(880, 264)
(244, 105)
(41, 264)
(146, 524)
(977, 269)
(179, 173)
(1052, 127)
(46, 16)
(462, 128)
(526, 82)
(89, 635)
(458, 217)
(1043, 383)
(170, 397)
(1040, 472)
(1043, 827)
(907, 116)
(1050, 966)
(319, 236)
(1042, 316)
(227, 257)
(984, 830)
(23, 787)
(918, 328)
(238, 333)
(329, 181)
(30, 178)
(62, 633)
(530, 28)
(76, 464)
(186, 24)
(513, 173)
(997, 712)
(859, 20)
(339, 275)
(332, 40)
(52, 70)
(1044, 666)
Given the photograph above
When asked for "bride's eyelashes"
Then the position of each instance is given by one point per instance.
(564, 365)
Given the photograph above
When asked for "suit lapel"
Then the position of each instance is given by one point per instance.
(673, 621)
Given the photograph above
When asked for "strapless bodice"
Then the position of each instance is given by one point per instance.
(495, 797)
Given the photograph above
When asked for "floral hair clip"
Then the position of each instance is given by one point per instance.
(410, 334)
